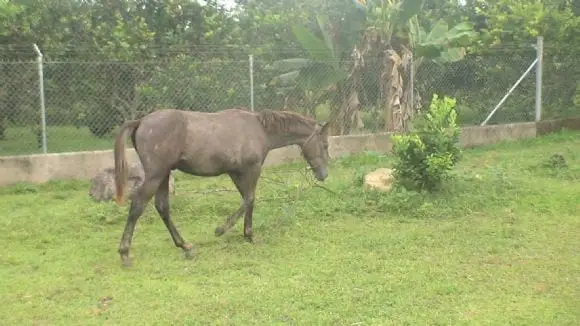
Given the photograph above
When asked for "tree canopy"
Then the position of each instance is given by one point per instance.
(108, 60)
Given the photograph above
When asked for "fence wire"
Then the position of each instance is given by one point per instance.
(19, 108)
(479, 83)
(561, 84)
(86, 101)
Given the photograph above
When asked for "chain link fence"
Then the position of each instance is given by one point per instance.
(560, 83)
(479, 83)
(86, 101)
(19, 107)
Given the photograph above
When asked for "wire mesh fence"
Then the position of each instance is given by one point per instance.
(85, 101)
(560, 83)
(479, 83)
(97, 96)
(19, 107)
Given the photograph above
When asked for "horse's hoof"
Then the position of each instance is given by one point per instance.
(126, 263)
(248, 234)
(188, 254)
(219, 231)
(188, 251)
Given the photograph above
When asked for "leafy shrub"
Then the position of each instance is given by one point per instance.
(425, 156)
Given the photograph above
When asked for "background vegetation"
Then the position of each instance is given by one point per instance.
(109, 60)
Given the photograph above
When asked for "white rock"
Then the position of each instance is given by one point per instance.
(380, 179)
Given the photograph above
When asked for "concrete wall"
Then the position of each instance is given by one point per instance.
(84, 165)
(550, 126)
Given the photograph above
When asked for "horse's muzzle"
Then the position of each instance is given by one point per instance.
(321, 174)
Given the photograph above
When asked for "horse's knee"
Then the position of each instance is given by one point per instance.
(137, 208)
(249, 201)
(161, 205)
(123, 249)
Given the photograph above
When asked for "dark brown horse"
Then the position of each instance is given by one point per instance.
(232, 141)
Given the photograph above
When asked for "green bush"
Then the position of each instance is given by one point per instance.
(425, 156)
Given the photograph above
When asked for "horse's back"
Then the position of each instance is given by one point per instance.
(159, 139)
(201, 123)
(222, 141)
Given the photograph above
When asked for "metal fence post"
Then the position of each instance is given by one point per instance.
(509, 92)
(539, 64)
(251, 57)
(39, 59)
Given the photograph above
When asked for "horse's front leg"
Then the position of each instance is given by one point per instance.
(246, 182)
(249, 203)
(230, 221)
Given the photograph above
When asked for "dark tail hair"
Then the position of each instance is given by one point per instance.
(121, 161)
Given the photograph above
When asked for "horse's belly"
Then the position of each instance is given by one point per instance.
(202, 170)
(214, 163)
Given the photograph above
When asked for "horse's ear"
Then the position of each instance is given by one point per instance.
(324, 129)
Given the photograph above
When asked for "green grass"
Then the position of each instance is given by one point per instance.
(499, 245)
(22, 140)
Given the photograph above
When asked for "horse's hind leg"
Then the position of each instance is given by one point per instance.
(140, 199)
(162, 207)
(230, 221)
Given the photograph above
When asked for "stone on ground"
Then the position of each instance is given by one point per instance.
(103, 183)
(380, 179)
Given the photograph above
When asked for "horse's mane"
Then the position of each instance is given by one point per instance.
(283, 121)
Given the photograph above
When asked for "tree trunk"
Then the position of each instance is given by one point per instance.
(346, 113)
(391, 89)
(396, 95)
(407, 109)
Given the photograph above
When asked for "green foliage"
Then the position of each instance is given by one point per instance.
(168, 30)
(188, 83)
(406, 9)
(427, 154)
(318, 49)
(313, 78)
(442, 44)
(516, 24)
(8, 10)
(522, 21)
(106, 31)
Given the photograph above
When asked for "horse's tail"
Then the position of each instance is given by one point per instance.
(121, 161)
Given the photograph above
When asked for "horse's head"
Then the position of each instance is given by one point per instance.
(315, 151)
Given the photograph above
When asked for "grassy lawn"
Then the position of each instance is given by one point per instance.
(500, 245)
(22, 140)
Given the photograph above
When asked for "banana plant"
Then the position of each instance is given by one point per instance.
(442, 45)
(327, 73)
(394, 35)
(314, 76)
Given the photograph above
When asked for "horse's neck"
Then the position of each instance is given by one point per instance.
(296, 137)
